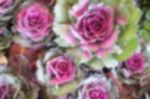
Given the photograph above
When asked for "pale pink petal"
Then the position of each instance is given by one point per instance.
(122, 20)
(102, 53)
(87, 54)
(80, 8)
(70, 39)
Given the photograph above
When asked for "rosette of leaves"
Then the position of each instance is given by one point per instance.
(92, 80)
(58, 90)
(15, 88)
(135, 87)
(7, 10)
(21, 31)
(127, 38)
(10, 87)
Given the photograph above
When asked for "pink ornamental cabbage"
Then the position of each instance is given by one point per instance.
(135, 64)
(94, 31)
(5, 6)
(94, 90)
(61, 70)
(34, 22)
(5, 92)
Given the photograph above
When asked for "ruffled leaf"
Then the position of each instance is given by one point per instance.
(128, 49)
(77, 55)
(65, 89)
(61, 13)
(96, 64)
(132, 27)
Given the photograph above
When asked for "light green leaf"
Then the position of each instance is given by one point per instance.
(72, 1)
(96, 63)
(65, 89)
(77, 55)
(61, 13)
(117, 2)
(5, 42)
(128, 33)
(128, 49)
(61, 42)
(61, 31)
(110, 62)
(135, 15)
(96, 1)
(131, 28)
(147, 26)
(145, 34)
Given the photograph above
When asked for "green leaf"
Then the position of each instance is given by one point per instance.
(72, 1)
(5, 42)
(135, 15)
(128, 49)
(61, 31)
(110, 62)
(66, 2)
(61, 13)
(77, 55)
(147, 26)
(107, 61)
(65, 89)
(117, 2)
(128, 33)
(61, 42)
(96, 63)
(145, 34)
(147, 15)
(131, 28)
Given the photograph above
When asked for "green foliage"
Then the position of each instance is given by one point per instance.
(65, 89)
(128, 36)
(96, 63)
(128, 48)
(145, 31)
(131, 28)
(145, 26)
(147, 15)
